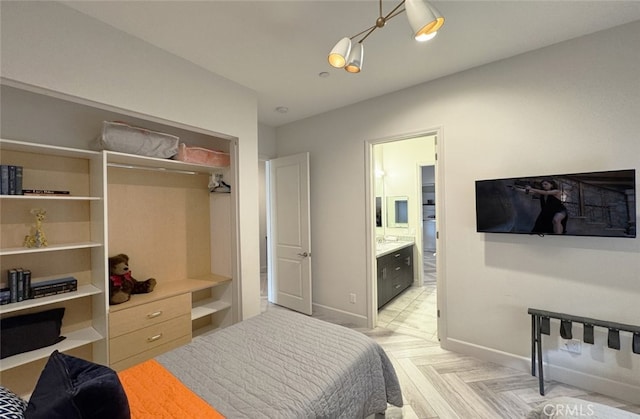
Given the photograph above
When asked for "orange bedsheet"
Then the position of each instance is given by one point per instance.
(155, 393)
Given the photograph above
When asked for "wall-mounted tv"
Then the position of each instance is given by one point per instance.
(579, 204)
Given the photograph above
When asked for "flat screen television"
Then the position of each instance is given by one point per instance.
(578, 204)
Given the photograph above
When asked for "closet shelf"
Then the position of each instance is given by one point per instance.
(50, 248)
(83, 291)
(73, 340)
(49, 150)
(166, 289)
(206, 307)
(132, 161)
(47, 197)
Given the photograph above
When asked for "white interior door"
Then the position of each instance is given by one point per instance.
(288, 232)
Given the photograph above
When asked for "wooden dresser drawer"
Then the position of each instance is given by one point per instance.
(154, 312)
(151, 353)
(148, 338)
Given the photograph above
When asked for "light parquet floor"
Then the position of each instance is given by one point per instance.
(441, 384)
(437, 383)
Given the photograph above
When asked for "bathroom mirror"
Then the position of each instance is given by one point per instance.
(398, 211)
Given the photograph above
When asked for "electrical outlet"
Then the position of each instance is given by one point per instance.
(573, 346)
(352, 298)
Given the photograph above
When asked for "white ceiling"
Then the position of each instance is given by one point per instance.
(278, 48)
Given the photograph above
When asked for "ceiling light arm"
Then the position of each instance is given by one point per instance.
(393, 13)
(380, 22)
(369, 30)
(391, 16)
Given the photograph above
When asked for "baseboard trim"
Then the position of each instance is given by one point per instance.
(337, 316)
(627, 392)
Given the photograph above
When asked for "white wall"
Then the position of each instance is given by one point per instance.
(571, 107)
(266, 151)
(266, 141)
(53, 47)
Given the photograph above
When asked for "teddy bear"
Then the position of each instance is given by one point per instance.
(122, 284)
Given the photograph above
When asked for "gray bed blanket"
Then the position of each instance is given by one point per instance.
(282, 364)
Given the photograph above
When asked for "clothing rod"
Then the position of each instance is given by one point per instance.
(585, 320)
(153, 169)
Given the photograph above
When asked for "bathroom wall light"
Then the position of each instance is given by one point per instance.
(424, 19)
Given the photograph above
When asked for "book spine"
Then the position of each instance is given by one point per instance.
(43, 192)
(54, 289)
(19, 171)
(54, 281)
(20, 286)
(4, 179)
(27, 284)
(13, 285)
(12, 180)
(5, 296)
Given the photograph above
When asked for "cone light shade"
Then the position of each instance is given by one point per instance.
(340, 53)
(354, 65)
(425, 21)
(423, 18)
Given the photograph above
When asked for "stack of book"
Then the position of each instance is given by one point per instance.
(10, 180)
(20, 286)
(11, 183)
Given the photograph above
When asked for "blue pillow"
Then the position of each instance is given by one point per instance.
(11, 405)
(73, 388)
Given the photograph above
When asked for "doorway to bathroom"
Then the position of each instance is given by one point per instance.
(404, 170)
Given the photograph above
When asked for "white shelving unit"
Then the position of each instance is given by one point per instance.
(75, 232)
(88, 225)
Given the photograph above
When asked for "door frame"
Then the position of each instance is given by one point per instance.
(370, 200)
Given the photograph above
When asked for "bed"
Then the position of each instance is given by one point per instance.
(279, 364)
(282, 364)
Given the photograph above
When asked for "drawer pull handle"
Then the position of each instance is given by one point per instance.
(398, 286)
(154, 338)
(397, 255)
(154, 314)
(398, 268)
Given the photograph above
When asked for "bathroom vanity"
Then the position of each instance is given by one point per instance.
(395, 269)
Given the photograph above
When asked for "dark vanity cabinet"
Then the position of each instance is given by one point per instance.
(395, 273)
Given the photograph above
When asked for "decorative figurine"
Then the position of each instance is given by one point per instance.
(38, 238)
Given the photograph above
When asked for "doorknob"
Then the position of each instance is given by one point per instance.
(304, 255)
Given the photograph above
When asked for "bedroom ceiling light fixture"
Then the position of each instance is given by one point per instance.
(424, 19)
